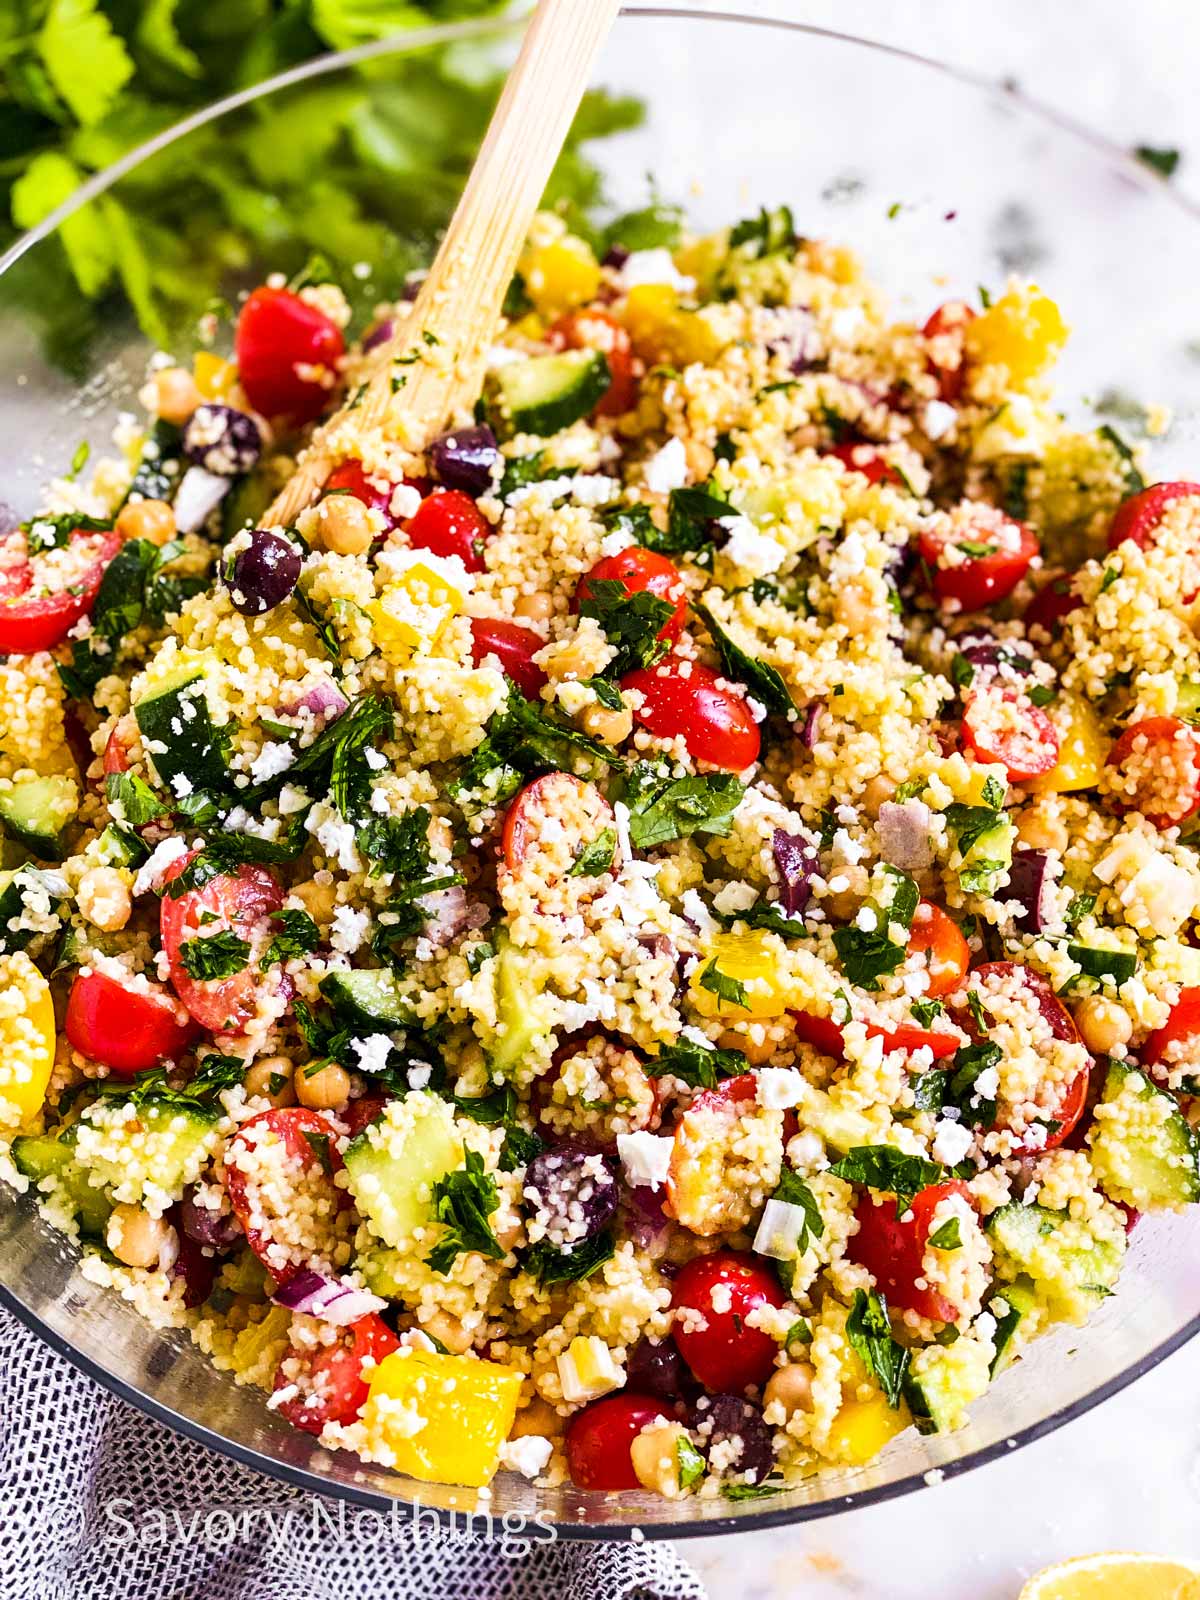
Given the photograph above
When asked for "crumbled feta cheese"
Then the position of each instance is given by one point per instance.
(749, 549)
(733, 897)
(951, 1142)
(697, 913)
(645, 1157)
(780, 1230)
(270, 761)
(940, 419)
(150, 873)
(404, 502)
(667, 468)
(371, 1053)
(780, 1088)
(291, 800)
(527, 1455)
(349, 929)
(653, 266)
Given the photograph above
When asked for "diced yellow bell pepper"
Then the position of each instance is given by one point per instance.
(703, 259)
(1082, 748)
(441, 1418)
(747, 958)
(560, 276)
(1023, 330)
(861, 1428)
(414, 610)
(214, 376)
(663, 332)
(26, 1040)
(587, 1370)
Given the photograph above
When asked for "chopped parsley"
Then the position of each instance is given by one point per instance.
(1160, 159)
(214, 955)
(662, 809)
(596, 857)
(867, 954)
(965, 1069)
(869, 1331)
(767, 234)
(1134, 482)
(948, 1236)
(924, 1011)
(882, 1167)
(691, 515)
(298, 936)
(549, 1265)
(463, 1201)
(133, 798)
(699, 1066)
(632, 623)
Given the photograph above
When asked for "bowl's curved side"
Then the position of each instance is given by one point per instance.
(934, 214)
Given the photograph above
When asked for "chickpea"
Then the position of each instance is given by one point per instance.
(317, 898)
(1103, 1023)
(700, 460)
(344, 525)
(654, 1454)
(613, 727)
(103, 898)
(537, 607)
(137, 1238)
(570, 660)
(791, 1387)
(756, 1044)
(271, 1079)
(324, 1090)
(538, 1418)
(448, 1331)
(175, 395)
(1037, 829)
(147, 519)
(876, 793)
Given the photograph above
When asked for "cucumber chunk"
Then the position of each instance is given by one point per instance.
(160, 1149)
(393, 1164)
(1072, 1269)
(1010, 1306)
(29, 908)
(41, 1156)
(35, 812)
(549, 393)
(520, 1007)
(942, 1383)
(368, 998)
(1104, 961)
(120, 847)
(180, 738)
(1144, 1154)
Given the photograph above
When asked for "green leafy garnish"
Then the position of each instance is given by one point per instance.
(550, 1266)
(697, 1065)
(793, 1191)
(226, 852)
(133, 798)
(400, 845)
(948, 1236)
(924, 1011)
(463, 1201)
(764, 682)
(968, 1063)
(596, 857)
(1134, 482)
(691, 514)
(214, 955)
(1160, 159)
(690, 1465)
(662, 809)
(891, 1171)
(767, 234)
(298, 936)
(632, 623)
(729, 991)
(870, 1334)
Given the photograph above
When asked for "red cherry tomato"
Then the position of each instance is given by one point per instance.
(945, 334)
(306, 1136)
(826, 1036)
(127, 1028)
(716, 1340)
(978, 581)
(287, 354)
(1159, 758)
(334, 1389)
(116, 752)
(34, 617)
(715, 721)
(866, 460)
(642, 571)
(514, 647)
(939, 939)
(597, 330)
(359, 1114)
(697, 1196)
(1005, 726)
(892, 1249)
(1178, 1040)
(449, 523)
(551, 821)
(1138, 517)
(823, 1033)
(376, 492)
(241, 902)
(1055, 600)
(1061, 1024)
(598, 1440)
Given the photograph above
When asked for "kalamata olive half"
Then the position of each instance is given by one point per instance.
(727, 1419)
(658, 1369)
(465, 458)
(264, 573)
(222, 440)
(217, 1229)
(572, 1193)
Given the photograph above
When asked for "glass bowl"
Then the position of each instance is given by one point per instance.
(943, 183)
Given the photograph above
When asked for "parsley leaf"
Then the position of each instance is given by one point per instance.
(924, 1011)
(522, 740)
(631, 622)
(729, 991)
(1161, 160)
(870, 1334)
(214, 955)
(882, 1167)
(225, 853)
(608, 695)
(664, 809)
(550, 1266)
(400, 845)
(691, 515)
(793, 1191)
(596, 857)
(1082, 905)
(948, 1236)
(969, 1062)
(133, 798)
(463, 1201)
(763, 681)
(697, 1065)
(298, 936)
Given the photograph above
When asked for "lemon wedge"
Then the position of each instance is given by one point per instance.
(1116, 1576)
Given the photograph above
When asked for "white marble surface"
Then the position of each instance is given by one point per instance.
(1126, 1476)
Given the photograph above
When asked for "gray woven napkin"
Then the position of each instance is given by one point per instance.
(98, 1501)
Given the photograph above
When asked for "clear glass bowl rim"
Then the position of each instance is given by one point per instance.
(318, 1484)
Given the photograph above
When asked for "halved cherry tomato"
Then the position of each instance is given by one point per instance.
(32, 618)
(892, 1249)
(287, 354)
(1162, 755)
(939, 939)
(1005, 726)
(514, 647)
(351, 478)
(598, 1440)
(642, 571)
(1055, 600)
(241, 902)
(697, 1196)
(1138, 517)
(825, 1035)
(127, 1028)
(979, 581)
(449, 523)
(1062, 1025)
(945, 332)
(116, 752)
(360, 1113)
(554, 818)
(598, 330)
(1181, 1028)
(336, 1390)
(309, 1140)
(721, 1290)
(715, 721)
(866, 460)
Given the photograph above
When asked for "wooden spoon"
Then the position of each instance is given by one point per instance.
(432, 366)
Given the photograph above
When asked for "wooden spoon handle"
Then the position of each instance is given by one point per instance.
(433, 365)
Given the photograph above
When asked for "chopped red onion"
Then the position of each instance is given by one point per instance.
(797, 862)
(809, 723)
(327, 1298)
(324, 699)
(379, 334)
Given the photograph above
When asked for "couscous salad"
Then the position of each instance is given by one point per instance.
(651, 944)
